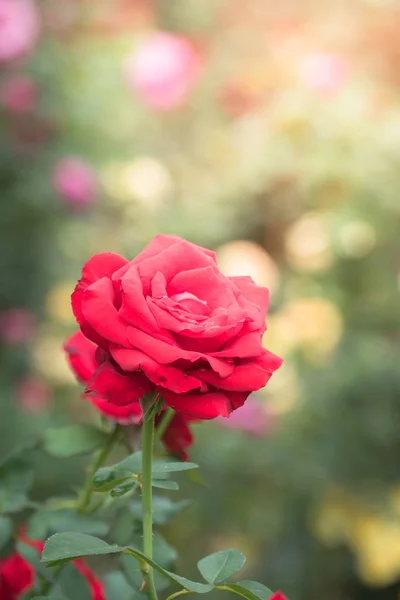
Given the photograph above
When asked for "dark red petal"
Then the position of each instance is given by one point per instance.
(124, 415)
(116, 388)
(178, 436)
(81, 354)
(163, 375)
(249, 375)
(164, 353)
(200, 406)
(100, 313)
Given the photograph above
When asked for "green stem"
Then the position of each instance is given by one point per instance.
(163, 425)
(104, 452)
(180, 593)
(147, 509)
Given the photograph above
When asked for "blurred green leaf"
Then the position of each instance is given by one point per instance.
(124, 527)
(164, 466)
(117, 587)
(165, 484)
(73, 584)
(46, 522)
(251, 590)
(217, 567)
(6, 527)
(164, 509)
(16, 478)
(72, 440)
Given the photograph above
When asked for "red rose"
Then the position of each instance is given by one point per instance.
(82, 355)
(170, 321)
(17, 576)
(278, 596)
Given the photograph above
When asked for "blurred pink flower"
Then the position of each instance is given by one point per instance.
(324, 72)
(75, 181)
(163, 69)
(16, 325)
(19, 94)
(19, 28)
(250, 417)
(33, 394)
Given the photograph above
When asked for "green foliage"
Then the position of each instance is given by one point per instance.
(217, 567)
(117, 587)
(16, 478)
(160, 467)
(6, 527)
(46, 522)
(164, 509)
(251, 590)
(72, 440)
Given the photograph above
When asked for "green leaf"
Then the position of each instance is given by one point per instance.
(70, 545)
(251, 590)
(63, 547)
(46, 522)
(217, 567)
(32, 556)
(164, 466)
(132, 463)
(192, 586)
(73, 584)
(106, 478)
(123, 488)
(117, 587)
(164, 509)
(72, 440)
(165, 484)
(16, 478)
(124, 527)
(6, 527)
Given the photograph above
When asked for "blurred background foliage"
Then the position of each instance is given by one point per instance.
(267, 131)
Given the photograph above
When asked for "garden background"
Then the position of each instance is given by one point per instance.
(269, 131)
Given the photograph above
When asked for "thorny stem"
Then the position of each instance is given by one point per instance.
(147, 509)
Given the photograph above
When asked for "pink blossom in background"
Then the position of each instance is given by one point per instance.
(19, 28)
(251, 418)
(76, 181)
(33, 395)
(19, 94)
(324, 72)
(163, 69)
(16, 325)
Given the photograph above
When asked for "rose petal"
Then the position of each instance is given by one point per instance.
(200, 406)
(81, 354)
(124, 415)
(116, 388)
(100, 313)
(178, 436)
(250, 375)
(244, 346)
(134, 309)
(181, 256)
(166, 354)
(163, 375)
